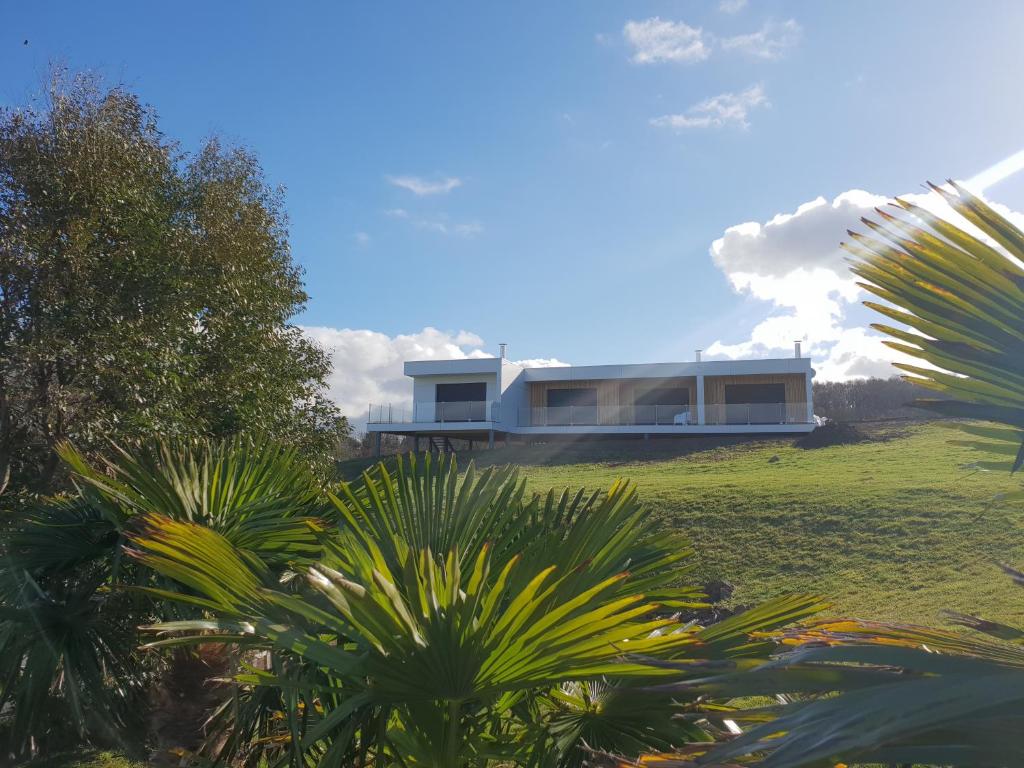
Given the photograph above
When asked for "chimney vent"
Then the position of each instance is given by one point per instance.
(697, 355)
(502, 350)
(796, 348)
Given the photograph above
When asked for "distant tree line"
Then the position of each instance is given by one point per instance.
(870, 400)
(144, 291)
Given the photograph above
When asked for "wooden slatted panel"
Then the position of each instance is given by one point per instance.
(796, 392)
(714, 386)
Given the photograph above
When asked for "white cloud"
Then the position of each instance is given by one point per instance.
(470, 229)
(656, 40)
(421, 187)
(716, 112)
(541, 362)
(794, 263)
(732, 6)
(443, 227)
(770, 42)
(368, 365)
(809, 237)
(439, 224)
(361, 238)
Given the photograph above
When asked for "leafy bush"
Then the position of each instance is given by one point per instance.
(422, 616)
(453, 622)
(143, 291)
(69, 603)
(871, 399)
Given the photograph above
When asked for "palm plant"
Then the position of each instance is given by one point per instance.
(420, 640)
(68, 638)
(424, 505)
(881, 693)
(421, 616)
(960, 291)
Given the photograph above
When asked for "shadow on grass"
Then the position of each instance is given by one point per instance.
(610, 452)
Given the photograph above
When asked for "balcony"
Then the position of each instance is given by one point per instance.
(614, 415)
(756, 413)
(663, 415)
(469, 411)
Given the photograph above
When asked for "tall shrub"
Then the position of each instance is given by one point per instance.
(143, 290)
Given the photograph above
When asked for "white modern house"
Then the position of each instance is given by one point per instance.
(485, 398)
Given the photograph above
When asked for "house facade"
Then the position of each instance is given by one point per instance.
(488, 398)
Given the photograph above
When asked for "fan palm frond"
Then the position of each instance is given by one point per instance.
(959, 288)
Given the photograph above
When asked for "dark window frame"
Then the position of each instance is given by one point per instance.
(667, 395)
(759, 394)
(461, 392)
(573, 397)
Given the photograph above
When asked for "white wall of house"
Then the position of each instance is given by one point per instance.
(424, 390)
(508, 385)
(514, 394)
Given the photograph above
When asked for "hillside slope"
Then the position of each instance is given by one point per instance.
(894, 528)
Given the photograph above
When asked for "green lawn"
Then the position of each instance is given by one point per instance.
(896, 528)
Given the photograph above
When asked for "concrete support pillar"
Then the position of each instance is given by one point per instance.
(490, 438)
(700, 399)
(376, 443)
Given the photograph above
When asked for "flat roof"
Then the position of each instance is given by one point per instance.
(671, 370)
(446, 367)
(477, 365)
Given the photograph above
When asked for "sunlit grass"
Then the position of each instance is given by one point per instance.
(891, 529)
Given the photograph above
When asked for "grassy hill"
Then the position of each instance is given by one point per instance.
(892, 528)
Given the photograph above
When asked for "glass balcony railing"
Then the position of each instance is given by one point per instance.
(663, 415)
(610, 415)
(755, 413)
(483, 411)
(464, 411)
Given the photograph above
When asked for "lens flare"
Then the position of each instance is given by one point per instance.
(998, 172)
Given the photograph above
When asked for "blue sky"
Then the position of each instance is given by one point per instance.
(554, 174)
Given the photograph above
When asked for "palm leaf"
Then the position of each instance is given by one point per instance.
(961, 293)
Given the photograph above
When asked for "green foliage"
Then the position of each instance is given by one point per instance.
(871, 399)
(960, 290)
(918, 532)
(143, 291)
(900, 694)
(88, 760)
(417, 507)
(68, 659)
(444, 620)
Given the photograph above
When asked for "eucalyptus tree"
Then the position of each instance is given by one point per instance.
(143, 290)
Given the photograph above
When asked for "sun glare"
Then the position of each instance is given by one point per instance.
(1002, 170)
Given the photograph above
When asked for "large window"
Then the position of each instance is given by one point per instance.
(572, 406)
(461, 402)
(663, 396)
(563, 398)
(755, 403)
(661, 405)
(461, 393)
(755, 393)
